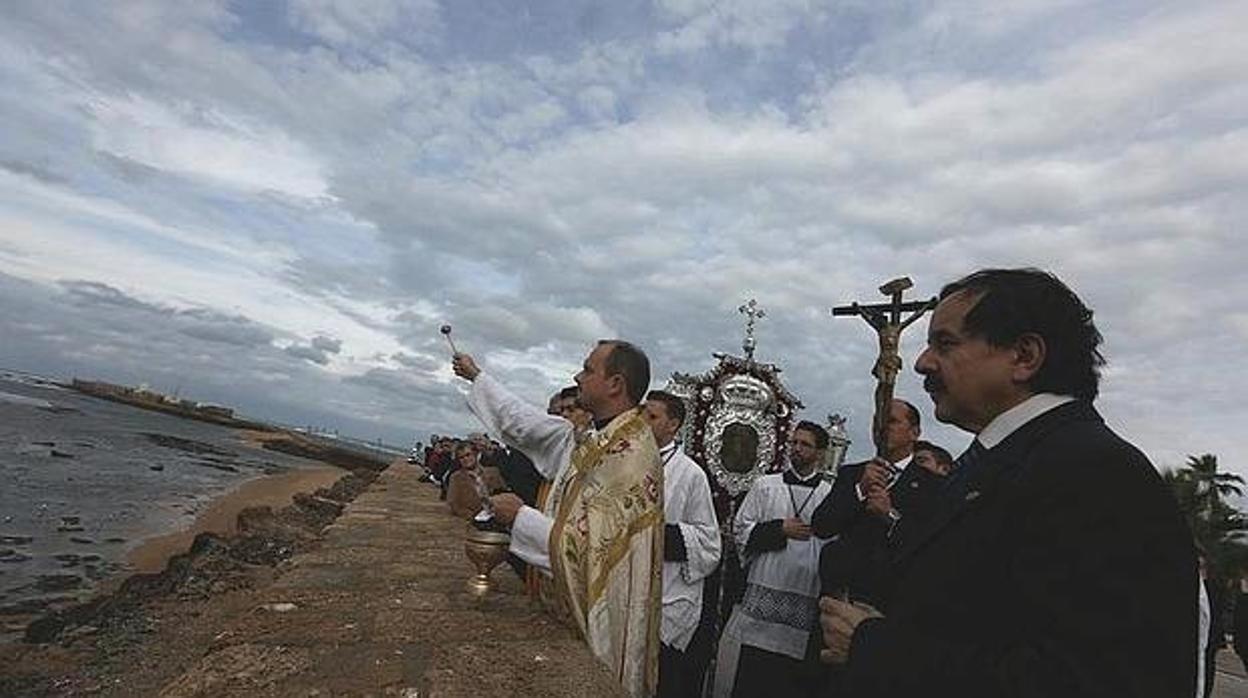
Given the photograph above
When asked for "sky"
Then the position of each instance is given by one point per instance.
(275, 205)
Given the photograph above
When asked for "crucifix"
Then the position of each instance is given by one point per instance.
(887, 320)
(753, 312)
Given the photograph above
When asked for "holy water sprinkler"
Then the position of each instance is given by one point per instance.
(446, 332)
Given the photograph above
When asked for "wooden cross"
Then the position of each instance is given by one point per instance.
(887, 320)
(753, 312)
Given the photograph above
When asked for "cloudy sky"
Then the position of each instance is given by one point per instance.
(276, 204)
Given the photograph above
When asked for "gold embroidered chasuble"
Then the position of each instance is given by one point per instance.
(606, 548)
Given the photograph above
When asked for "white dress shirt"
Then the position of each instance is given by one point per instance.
(1014, 418)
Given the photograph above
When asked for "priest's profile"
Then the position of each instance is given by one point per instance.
(596, 538)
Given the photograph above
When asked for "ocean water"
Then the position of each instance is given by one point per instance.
(84, 480)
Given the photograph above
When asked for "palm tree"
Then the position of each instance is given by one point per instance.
(1211, 485)
(1201, 492)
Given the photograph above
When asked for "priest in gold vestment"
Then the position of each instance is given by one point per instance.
(599, 534)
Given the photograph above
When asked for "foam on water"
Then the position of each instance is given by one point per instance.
(14, 399)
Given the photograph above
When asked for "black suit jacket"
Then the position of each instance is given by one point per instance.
(857, 560)
(520, 475)
(1059, 567)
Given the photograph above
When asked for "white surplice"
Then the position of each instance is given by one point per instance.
(779, 610)
(548, 440)
(687, 504)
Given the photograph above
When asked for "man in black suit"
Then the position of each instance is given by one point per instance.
(1058, 564)
(865, 509)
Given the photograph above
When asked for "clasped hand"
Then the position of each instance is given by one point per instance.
(796, 529)
(874, 486)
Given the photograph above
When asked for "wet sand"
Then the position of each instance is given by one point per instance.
(221, 516)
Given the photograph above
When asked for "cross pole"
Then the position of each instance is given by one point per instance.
(886, 319)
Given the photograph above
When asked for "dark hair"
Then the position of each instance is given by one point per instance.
(1014, 302)
(912, 413)
(820, 434)
(675, 406)
(626, 360)
(937, 452)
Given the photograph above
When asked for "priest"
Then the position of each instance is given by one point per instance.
(599, 532)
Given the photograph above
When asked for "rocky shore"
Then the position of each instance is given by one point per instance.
(377, 605)
(85, 641)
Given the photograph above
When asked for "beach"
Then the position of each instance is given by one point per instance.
(98, 492)
(221, 515)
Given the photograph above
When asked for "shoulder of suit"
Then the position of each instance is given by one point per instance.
(849, 473)
(1088, 449)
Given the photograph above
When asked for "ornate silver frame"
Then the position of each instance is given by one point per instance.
(737, 391)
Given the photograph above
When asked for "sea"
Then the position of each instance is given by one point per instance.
(84, 480)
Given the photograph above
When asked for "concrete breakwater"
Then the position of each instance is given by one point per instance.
(376, 606)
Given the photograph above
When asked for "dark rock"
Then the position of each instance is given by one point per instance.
(95, 573)
(26, 607)
(254, 519)
(262, 550)
(57, 582)
(343, 458)
(208, 543)
(77, 633)
(216, 465)
(212, 565)
(11, 556)
(71, 520)
(15, 540)
(188, 445)
(320, 505)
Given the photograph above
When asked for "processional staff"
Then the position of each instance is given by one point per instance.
(886, 318)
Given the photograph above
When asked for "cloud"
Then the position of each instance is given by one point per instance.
(360, 23)
(326, 184)
(205, 143)
(317, 351)
(236, 331)
(200, 323)
(32, 170)
(95, 294)
(746, 24)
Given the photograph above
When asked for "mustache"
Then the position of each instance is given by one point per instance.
(932, 384)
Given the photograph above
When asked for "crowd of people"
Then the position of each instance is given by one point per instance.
(1048, 559)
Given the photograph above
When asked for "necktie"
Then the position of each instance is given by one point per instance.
(894, 474)
(964, 467)
(970, 456)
